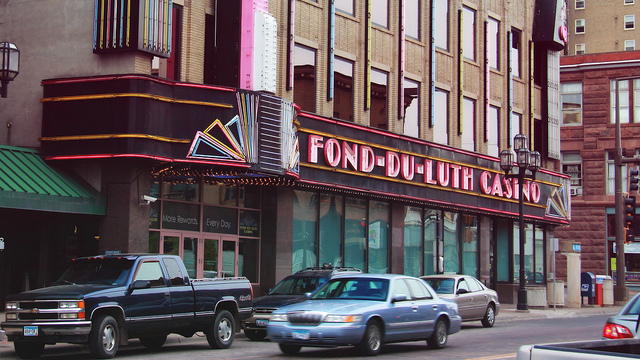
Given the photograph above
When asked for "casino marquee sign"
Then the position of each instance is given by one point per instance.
(338, 154)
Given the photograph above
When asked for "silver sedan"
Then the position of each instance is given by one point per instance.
(475, 301)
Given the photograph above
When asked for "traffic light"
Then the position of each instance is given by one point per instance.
(629, 236)
(633, 179)
(629, 211)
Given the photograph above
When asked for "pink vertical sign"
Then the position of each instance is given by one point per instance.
(247, 25)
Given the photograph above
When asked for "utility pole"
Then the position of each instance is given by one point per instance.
(620, 292)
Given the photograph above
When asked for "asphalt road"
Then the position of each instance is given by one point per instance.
(473, 342)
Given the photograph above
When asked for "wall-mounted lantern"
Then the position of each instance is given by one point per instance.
(9, 65)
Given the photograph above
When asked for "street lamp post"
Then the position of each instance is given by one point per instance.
(525, 160)
(9, 65)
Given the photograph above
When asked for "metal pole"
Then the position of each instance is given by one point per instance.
(522, 291)
(620, 288)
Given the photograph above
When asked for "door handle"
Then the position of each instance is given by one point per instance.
(435, 307)
(414, 308)
(167, 294)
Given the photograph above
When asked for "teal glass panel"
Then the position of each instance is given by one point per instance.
(355, 233)
(412, 241)
(378, 237)
(430, 236)
(451, 249)
(469, 245)
(305, 215)
(502, 250)
(331, 216)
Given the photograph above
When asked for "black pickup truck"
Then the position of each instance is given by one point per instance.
(104, 301)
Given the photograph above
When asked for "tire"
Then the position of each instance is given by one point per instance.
(290, 349)
(438, 339)
(371, 342)
(489, 316)
(223, 330)
(255, 335)
(104, 337)
(28, 350)
(153, 342)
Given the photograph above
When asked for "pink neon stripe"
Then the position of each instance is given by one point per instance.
(143, 156)
(119, 77)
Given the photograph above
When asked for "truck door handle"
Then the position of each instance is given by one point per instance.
(167, 294)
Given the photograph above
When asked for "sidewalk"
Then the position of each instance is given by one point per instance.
(508, 312)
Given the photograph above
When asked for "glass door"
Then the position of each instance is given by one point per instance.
(185, 246)
(229, 256)
(210, 257)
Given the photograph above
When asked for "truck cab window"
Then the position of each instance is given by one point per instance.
(151, 271)
(175, 274)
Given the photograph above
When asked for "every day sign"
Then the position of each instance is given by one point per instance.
(221, 220)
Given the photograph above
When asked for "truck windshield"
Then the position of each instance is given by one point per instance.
(97, 271)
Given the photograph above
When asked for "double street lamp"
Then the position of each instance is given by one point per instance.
(525, 160)
(9, 65)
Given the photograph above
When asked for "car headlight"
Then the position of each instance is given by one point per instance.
(71, 304)
(343, 318)
(12, 305)
(278, 317)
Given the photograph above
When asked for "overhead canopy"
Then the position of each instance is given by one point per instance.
(28, 183)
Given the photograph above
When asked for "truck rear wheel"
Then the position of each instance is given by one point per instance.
(104, 337)
(223, 330)
(28, 350)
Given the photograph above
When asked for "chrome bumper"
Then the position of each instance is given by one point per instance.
(48, 329)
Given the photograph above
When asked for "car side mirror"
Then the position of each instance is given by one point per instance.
(462, 291)
(140, 284)
(308, 295)
(399, 297)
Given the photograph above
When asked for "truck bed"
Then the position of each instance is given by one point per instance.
(583, 350)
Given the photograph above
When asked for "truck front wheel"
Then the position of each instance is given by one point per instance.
(104, 337)
(223, 330)
(28, 350)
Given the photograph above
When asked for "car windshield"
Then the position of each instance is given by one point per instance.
(298, 285)
(97, 271)
(354, 288)
(441, 285)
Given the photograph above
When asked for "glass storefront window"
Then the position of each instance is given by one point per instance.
(378, 237)
(502, 250)
(355, 234)
(210, 258)
(218, 194)
(538, 277)
(331, 215)
(305, 215)
(412, 240)
(430, 237)
(154, 242)
(181, 191)
(469, 245)
(451, 248)
(248, 259)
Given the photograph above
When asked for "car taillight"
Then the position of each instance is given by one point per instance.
(614, 331)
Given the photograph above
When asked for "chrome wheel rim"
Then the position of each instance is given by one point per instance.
(374, 338)
(224, 330)
(491, 315)
(108, 338)
(442, 333)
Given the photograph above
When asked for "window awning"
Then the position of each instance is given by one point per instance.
(28, 183)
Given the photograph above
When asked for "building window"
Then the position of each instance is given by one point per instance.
(514, 125)
(571, 96)
(304, 77)
(330, 231)
(380, 13)
(343, 85)
(169, 68)
(493, 41)
(493, 147)
(379, 99)
(629, 22)
(411, 108)
(580, 23)
(579, 4)
(345, 6)
(629, 2)
(515, 52)
(441, 117)
(378, 256)
(629, 45)
(412, 19)
(572, 166)
(441, 24)
(468, 124)
(625, 100)
(355, 233)
(580, 49)
(611, 173)
(469, 33)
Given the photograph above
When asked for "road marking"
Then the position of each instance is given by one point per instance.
(496, 357)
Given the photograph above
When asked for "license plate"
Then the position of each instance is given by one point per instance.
(30, 331)
(262, 322)
(300, 334)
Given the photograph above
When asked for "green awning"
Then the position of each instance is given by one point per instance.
(28, 183)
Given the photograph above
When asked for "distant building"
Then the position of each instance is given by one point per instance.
(270, 136)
